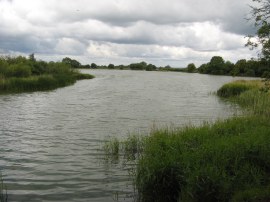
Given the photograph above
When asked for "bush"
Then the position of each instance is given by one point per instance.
(19, 70)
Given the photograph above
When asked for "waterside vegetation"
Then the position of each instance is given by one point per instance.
(223, 161)
(3, 191)
(21, 74)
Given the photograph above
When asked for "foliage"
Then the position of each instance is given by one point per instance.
(111, 66)
(150, 67)
(260, 14)
(252, 68)
(93, 65)
(138, 66)
(19, 74)
(191, 68)
(73, 63)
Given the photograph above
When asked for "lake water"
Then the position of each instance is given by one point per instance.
(50, 141)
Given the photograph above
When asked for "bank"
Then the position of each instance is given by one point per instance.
(20, 74)
(225, 161)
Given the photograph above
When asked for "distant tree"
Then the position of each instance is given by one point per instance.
(121, 67)
(203, 69)
(32, 57)
(93, 65)
(150, 67)
(191, 68)
(228, 68)
(138, 66)
(216, 65)
(111, 66)
(86, 66)
(241, 66)
(71, 62)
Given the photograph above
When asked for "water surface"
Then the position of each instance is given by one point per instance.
(50, 141)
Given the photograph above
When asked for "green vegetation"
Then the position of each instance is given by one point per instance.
(237, 87)
(251, 68)
(20, 74)
(3, 191)
(129, 148)
(260, 15)
(225, 161)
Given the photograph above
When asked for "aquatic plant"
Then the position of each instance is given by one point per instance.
(236, 88)
(3, 191)
(223, 161)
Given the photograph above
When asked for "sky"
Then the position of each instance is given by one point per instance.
(161, 32)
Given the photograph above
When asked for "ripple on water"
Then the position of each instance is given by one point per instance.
(50, 141)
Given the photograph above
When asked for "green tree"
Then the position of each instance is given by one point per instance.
(216, 65)
(138, 66)
(32, 57)
(71, 62)
(228, 67)
(241, 66)
(111, 66)
(150, 67)
(93, 65)
(203, 69)
(261, 14)
(191, 68)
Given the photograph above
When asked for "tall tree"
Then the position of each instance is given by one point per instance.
(191, 67)
(260, 13)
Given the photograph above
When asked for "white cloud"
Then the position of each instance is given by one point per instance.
(120, 30)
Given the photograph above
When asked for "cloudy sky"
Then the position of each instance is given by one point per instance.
(161, 32)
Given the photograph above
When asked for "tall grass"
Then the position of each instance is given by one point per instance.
(209, 163)
(254, 98)
(22, 75)
(129, 149)
(237, 87)
(225, 161)
(3, 191)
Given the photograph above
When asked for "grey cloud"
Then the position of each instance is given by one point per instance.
(73, 27)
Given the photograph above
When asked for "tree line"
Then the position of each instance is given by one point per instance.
(133, 66)
(243, 67)
(216, 66)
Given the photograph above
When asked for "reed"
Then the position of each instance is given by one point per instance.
(3, 191)
(224, 161)
(25, 75)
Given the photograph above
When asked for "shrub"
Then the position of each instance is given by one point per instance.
(19, 70)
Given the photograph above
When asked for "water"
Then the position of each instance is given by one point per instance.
(50, 141)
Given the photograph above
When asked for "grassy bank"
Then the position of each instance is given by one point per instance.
(225, 161)
(20, 74)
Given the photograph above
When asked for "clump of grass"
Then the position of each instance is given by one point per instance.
(3, 191)
(254, 99)
(133, 146)
(236, 88)
(129, 149)
(112, 149)
(208, 163)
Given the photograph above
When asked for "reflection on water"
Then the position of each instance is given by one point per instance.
(50, 141)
